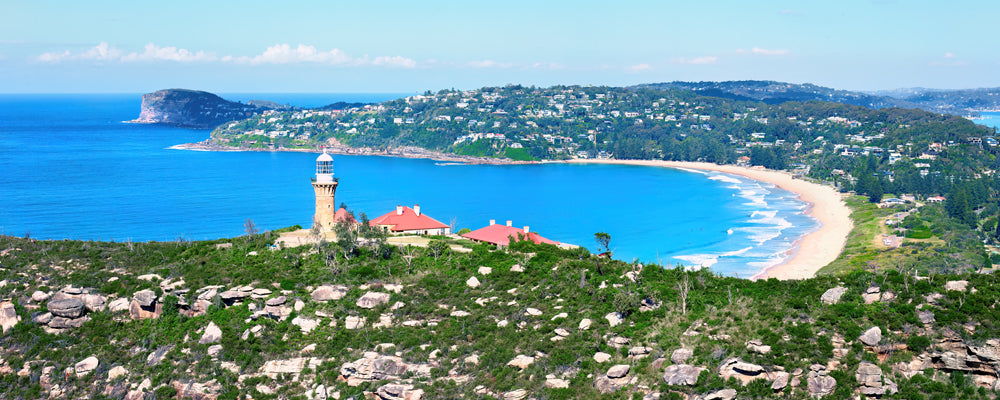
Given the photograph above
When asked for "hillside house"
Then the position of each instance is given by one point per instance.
(501, 235)
(410, 220)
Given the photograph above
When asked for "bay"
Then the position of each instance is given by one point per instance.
(70, 168)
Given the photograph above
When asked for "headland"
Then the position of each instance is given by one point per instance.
(814, 250)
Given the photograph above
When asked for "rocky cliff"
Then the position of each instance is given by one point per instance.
(191, 108)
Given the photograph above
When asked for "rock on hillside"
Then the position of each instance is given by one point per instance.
(191, 108)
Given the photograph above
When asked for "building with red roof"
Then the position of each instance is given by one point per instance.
(410, 220)
(342, 216)
(501, 235)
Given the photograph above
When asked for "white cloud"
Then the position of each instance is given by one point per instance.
(764, 52)
(277, 54)
(697, 60)
(54, 56)
(394, 61)
(285, 54)
(788, 12)
(105, 52)
(153, 52)
(640, 68)
(769, 52)
(949, 55)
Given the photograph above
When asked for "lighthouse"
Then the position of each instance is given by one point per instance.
(325, 186)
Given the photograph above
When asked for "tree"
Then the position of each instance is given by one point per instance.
(603, 241)
(683, 288)
(250, 227)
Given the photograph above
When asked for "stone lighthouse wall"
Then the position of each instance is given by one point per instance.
(325, 206)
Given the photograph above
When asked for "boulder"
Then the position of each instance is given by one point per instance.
(394, 391)
(780, 380)
(516, 268)
(66, 323)
(680, 356)
(305, 324)
(373, 299)
(534, 312)
(618, 342)
(554, 383)
(292, 366)
(116, 372)
(602, 357)
(187, 389)
(212, 334)
(67, 308)
(758, 347)
(485, 270)
(39, 296)
(472, 282)
(157, 356)
(614, 318)
(517, 394)
(86, 366)
(118, 305)
(960, 286)
(743, 371)
(872, 294)
(682, 374)
(137, 311)
(872, 336)
(724, 394)
(833, 296)
(8, 316)
(925, 317)
(277, 301)
(144, 298)
(521, 361)
(614, 379)
(354, 322)
(585, 324)
(818, 383)
(376, 367)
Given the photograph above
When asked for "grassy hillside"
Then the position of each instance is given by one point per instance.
(413, 322)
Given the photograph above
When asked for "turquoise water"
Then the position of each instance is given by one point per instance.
(69, 168)
(990, 119)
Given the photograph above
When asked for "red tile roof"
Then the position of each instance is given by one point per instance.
(407, 220)
(342, 216)
(500, 235)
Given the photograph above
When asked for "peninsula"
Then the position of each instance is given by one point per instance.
(195, 109)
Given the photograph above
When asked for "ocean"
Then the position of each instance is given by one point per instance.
(71, 169)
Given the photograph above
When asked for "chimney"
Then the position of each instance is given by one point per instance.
(525, 229)
(416, 209)
(399, 210)
(510, 223)
(493, 222)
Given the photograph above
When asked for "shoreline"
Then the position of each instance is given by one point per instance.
(810, 252)
(337, 148)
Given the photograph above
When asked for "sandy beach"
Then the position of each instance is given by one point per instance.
(815, 250)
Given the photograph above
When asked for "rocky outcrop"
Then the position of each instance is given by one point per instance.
(376, 367)
(191, 108)
(743, 371)
(373, 299)
(682, 374)
(616, 378)
(872, 383)
(398, 392)
(833, 296)
(819, 383)
(8, 316)
(329, 292)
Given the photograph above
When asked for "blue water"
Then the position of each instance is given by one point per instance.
(69, 168)
(990, 119)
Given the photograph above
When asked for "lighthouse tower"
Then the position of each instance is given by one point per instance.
(326, 186)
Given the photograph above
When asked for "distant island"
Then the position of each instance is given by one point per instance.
(196, 109)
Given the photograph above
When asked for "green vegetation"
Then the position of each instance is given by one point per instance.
(719, 316)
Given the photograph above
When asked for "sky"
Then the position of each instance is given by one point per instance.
(389, 46)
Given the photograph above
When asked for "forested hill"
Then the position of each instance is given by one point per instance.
(773, 92)
(826, 140)
(948, 101)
